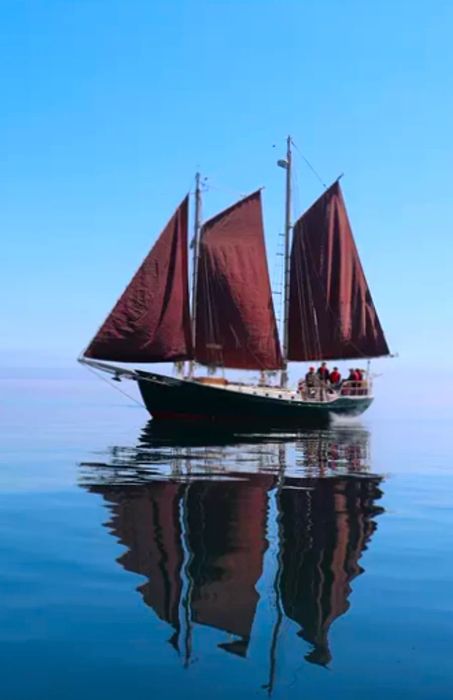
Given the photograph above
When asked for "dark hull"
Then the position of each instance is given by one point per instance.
(173, 399)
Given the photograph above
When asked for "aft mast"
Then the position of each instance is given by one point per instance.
(286, 164)
(195, 257)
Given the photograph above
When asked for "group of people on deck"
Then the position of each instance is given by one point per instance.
(330, 378)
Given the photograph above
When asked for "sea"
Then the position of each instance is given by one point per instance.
(143, 562)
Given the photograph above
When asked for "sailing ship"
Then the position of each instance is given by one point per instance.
(228, 321)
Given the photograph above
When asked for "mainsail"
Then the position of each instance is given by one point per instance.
(151, 320)
(236, 324)
(331, 312)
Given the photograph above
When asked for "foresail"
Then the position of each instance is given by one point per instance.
(151, 320)
(236, 324)
(331, 312)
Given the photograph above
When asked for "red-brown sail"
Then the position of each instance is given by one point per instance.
(151, 320)
(235, 321)
(331, 312)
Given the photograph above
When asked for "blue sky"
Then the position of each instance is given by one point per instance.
(108, 108)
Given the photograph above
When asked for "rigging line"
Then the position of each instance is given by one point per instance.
(104, 379)
(296, 199)
(307, 162)
(219, 187)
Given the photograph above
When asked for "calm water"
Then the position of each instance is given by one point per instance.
(141, 564)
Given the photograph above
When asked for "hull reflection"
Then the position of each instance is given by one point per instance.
(197, 516)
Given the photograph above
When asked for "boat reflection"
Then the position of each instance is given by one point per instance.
(198, 519)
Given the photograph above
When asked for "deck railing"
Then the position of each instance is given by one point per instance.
(352, 388)
(324, 391)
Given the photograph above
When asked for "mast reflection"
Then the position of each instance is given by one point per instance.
(199, 532)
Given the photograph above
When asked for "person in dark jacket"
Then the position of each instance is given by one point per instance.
(323, 372)
(311, 378)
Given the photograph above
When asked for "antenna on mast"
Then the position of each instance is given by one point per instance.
(286, 165)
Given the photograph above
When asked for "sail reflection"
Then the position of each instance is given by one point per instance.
(147, 522)
(324, 531)
(200, 532)
(227, 539)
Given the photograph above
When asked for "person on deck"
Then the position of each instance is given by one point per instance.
(335, 377)
(362, 387)
(310, 378)
(353, 378)
(323, 372)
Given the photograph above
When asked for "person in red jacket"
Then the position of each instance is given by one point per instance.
(353, 378)
(335, 377)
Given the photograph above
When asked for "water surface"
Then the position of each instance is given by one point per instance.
(137, 561)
